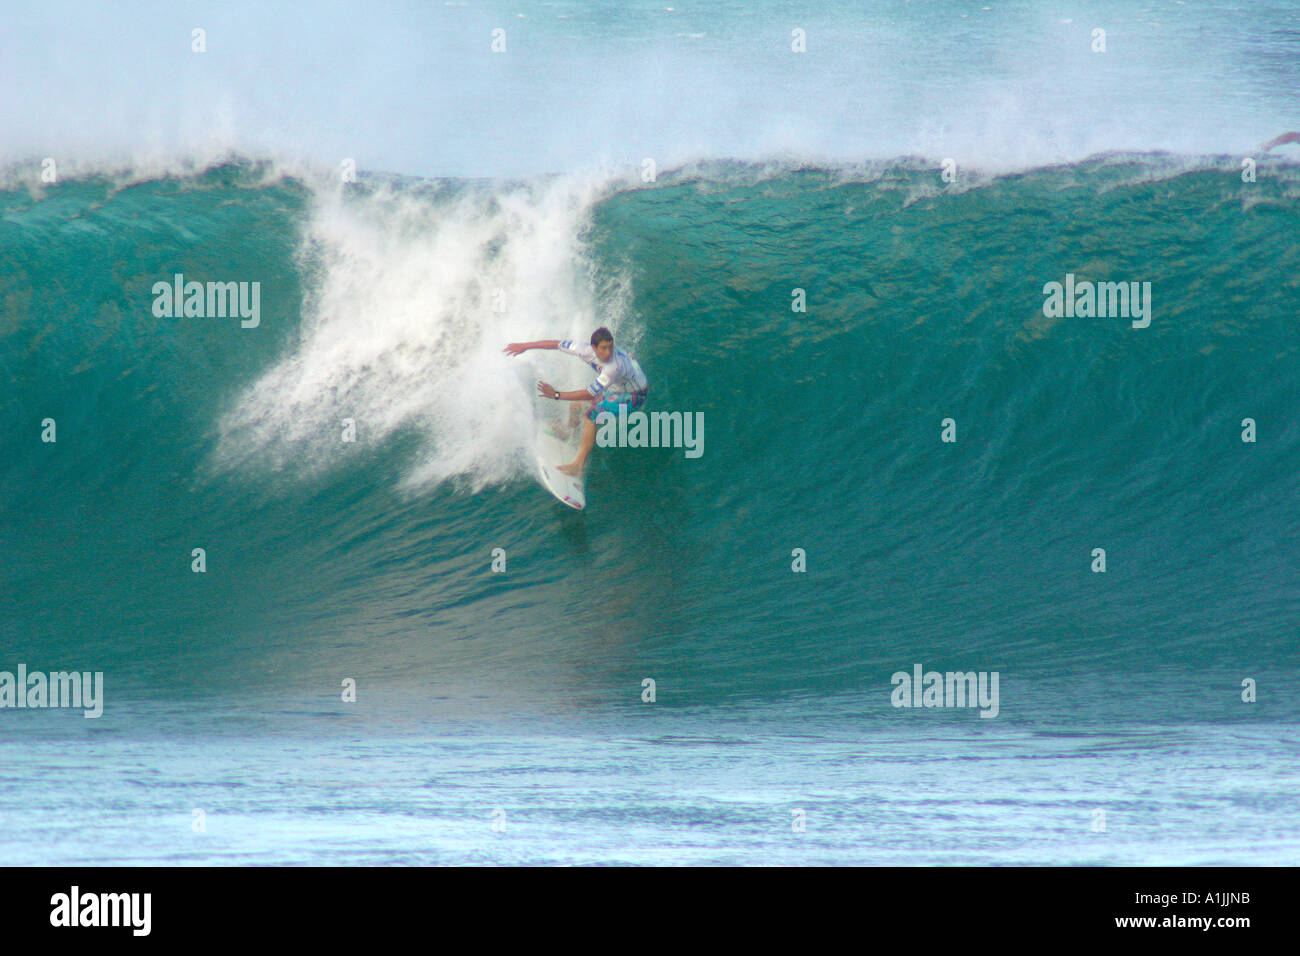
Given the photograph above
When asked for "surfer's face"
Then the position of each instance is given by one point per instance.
(604, 351)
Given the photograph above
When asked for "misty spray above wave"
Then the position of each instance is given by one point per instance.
(424, 91)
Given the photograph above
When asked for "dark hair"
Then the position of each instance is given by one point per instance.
(602, 334)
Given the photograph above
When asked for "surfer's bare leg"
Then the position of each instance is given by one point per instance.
(575, 410)
(588, 442)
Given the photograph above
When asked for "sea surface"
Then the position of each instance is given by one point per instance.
(340, 622)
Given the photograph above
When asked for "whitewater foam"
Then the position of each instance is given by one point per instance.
(413, 291)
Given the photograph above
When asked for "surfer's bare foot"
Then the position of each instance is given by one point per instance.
(588, 440)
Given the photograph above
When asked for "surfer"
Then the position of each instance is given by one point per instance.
(619, 381)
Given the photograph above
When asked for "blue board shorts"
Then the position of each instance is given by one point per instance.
(633, 401)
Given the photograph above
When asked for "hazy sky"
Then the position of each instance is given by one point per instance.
(415, 87)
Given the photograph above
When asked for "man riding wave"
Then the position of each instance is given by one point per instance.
(619, 381)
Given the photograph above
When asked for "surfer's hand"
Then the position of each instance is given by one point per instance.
(516, 348)
(546, 391)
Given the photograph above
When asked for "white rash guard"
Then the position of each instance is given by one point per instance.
(618, 377)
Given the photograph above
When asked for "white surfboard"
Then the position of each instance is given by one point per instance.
(552, 451)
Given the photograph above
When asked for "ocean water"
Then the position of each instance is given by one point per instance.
(503, 716)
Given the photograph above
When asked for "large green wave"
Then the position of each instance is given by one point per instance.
(922, 301)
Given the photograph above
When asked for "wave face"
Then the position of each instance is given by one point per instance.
(386, 303)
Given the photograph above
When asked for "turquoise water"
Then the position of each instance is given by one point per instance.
(384, 306)
(311, 786)
(371, 560)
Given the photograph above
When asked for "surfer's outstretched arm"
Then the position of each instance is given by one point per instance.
(575, 395)
(1292, 137)
(519, 348)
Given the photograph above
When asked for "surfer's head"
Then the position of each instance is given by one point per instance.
(602, 340)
